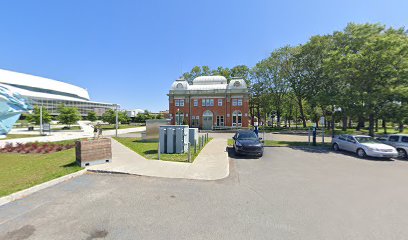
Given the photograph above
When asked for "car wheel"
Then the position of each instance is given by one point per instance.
(361, 153)
(402, 153)
(336, 147)
(236, 153)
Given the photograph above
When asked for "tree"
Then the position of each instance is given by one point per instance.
(373, 64)
(68, 115)
(269, 73)
(241, 71)
(92, 116)
(35, 116)
(293, 68)
(140, 118)
(123, 117)
(110, 117)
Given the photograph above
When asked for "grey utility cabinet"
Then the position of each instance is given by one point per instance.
(193, 136)
(174, 139)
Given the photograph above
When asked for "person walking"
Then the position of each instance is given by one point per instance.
(95, 130)
(99, 131)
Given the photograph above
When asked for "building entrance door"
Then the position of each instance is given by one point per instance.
(207, 120)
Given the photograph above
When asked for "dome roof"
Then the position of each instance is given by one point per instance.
(179, 84)
(209, 80)
(237, 83)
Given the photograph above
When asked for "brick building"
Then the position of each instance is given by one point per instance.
(209, 102)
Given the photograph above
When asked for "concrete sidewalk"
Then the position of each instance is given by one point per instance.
(211, 164)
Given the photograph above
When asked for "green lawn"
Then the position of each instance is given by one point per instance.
(14, 136)
(21, 171)
(149, 150)
(121, 126)
(70, 128)
(271, 143)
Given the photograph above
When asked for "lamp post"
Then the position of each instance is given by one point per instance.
(41, 121)
(335, 109)
(117, 121)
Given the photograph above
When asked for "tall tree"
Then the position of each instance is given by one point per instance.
(35, 116)
(373, 64)
(92, 116)
(68, 115)
(273, 78)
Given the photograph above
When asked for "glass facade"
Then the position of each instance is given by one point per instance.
(84, 107)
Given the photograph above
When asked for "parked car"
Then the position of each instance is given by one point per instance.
(399, 141)
(246, 142)
(363, 146)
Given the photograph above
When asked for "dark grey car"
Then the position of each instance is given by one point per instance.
(246, 142)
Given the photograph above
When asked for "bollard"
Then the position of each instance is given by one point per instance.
(202, 142)
(323, 135)
(314, 136)
(158, 152)
(207, 138)
(189, 153)
(195, 147)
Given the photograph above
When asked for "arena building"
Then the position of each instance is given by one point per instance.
(209, 103)
(51, 93)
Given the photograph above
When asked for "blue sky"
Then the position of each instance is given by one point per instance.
(129, 52)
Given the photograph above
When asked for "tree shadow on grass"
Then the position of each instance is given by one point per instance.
(70, 165)
(150, 152)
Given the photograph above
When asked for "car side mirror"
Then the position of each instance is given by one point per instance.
(234, 138)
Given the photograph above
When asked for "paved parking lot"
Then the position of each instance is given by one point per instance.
(288, 194)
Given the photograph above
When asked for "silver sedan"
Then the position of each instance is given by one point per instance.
(363, 146)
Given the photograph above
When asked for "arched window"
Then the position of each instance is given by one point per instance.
(237, 119)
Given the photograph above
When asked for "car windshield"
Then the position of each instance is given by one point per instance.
(366, 140)
(247, 136)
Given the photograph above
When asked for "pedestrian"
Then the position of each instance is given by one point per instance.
(100, 131)
(256, 131)
(95, 130)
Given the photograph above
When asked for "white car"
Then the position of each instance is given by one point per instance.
(363, 146)
(399, 141)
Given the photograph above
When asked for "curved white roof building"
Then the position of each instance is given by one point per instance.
(51, 93)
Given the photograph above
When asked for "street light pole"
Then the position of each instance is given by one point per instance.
(41, 121)
(117, 121)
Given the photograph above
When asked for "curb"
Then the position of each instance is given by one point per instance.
(23, 193)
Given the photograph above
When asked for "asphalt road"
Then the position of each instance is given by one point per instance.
(287, 194)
